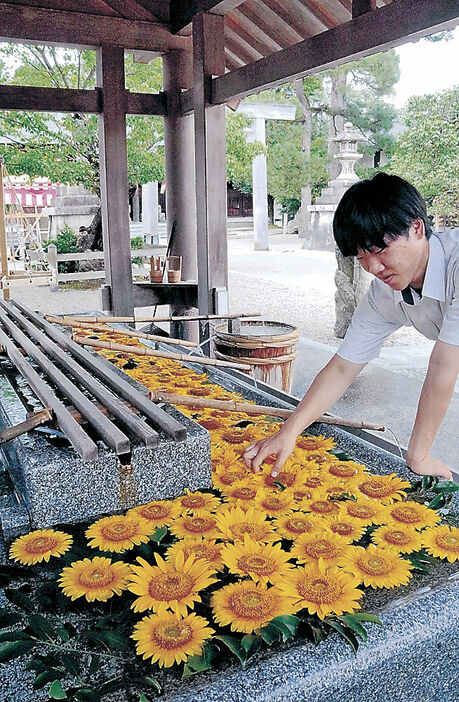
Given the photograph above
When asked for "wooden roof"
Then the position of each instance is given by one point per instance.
(254, 30)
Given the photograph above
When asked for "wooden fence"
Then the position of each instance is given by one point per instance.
(54, 259)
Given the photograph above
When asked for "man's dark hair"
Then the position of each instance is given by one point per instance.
(371, 210)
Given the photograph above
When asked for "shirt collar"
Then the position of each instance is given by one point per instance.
(434, 279)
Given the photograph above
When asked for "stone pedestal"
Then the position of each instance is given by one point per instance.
(72, 207)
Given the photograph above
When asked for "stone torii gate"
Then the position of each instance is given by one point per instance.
(260, 112)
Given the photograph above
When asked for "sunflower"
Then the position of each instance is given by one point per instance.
(211, 423)
(96, 579)
(40, 545)
(384, 488)
(169, 639)
(348, 528)
(192, 501)
(234, 523)
(118, 533)
(364, 510)
(275, 503)
(345, 470)
(412, 514)
(377, 567)
(312, 480)
(207, 549)
(157, 512)
(238, 435)
(398, 537)
(166, 586)
(321, 505)
(262, 562)
(315, 443)
(339, 487)
(321, 590)
(299, 495)
(290, 526)
(308, 548)
(248, 606)
(222, 479)
(289, 477)
(191, 526)
(442, 542)
(241, 492)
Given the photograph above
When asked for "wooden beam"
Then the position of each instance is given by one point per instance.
(183, 11)
(146, 104)
(17, 97)
(361, 7)
(210, 160)
(382, 29)
(114, 179)
(36, 419)
(35, 24)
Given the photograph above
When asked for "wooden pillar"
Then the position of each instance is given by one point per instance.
(180, 177)
(114, 181)
(210, 156)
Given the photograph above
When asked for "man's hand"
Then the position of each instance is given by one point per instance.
(279, 444)
(430, 466)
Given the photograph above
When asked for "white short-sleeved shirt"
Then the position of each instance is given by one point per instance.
(435, 314)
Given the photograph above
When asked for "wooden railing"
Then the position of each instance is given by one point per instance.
(54, 259)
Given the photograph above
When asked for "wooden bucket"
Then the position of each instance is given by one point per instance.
(269, 347)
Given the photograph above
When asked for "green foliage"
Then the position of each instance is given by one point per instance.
(239, 153)
(427, 152)
(65, 242)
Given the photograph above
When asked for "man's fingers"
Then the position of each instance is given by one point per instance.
(281, 458)
(260, 457)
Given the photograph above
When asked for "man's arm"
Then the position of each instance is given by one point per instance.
(328, 386)
(434, 401)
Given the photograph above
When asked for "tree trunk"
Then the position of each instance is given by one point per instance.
(336, 123)
(95, 231)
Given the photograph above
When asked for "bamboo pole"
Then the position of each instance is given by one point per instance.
(232, 406)
(69, 322)
(35, 420)
(3, 248)
(104, 320)
(144, 351)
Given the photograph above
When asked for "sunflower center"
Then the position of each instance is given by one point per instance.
(405, 513)
(170, 586)
(322, 507)
(360, 511)
(193, 501)
(448, 541)
(41, 544)
(272, 502)
(374, 565)
(209, 423)
(299, 526)
(342, 528)
(234, 436)
(256, 531)
(342, 470)
(312, 482)
(200, 392)
(199, 524)
(299, 495)
(319, 590)
(230, 477)
(119, 531)
(171, 636)
(206, 552)
(256, 564)
(397, 537)
(252, 604)
(96, 577)
(322, 549)
(308, 444)
(376, 488)
(154, 511)
(244, 493)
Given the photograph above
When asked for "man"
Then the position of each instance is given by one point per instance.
(383, 222)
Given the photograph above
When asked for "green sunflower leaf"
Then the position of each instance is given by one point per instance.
(71, 664)
(449, 487)
(110, 686)
(14, 636)
(8, 618)
(251, 644)
(356, 627)
(159, 535)
(94, 665)
(14, 649)
(112, 640)
(438, 502)
(316, 632)
(41, 627)
(143, 698)
(365, 617)
(428, 482)
(234, 645)
(86, 694)
(346, 634)
(195, 664)
(287, 623)
(152, 682)
(270, 634)
(19, 599)
(45, 677)
(56, 692)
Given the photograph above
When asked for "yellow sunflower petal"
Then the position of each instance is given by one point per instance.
(40, 545)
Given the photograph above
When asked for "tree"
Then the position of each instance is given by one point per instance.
(427, 152)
